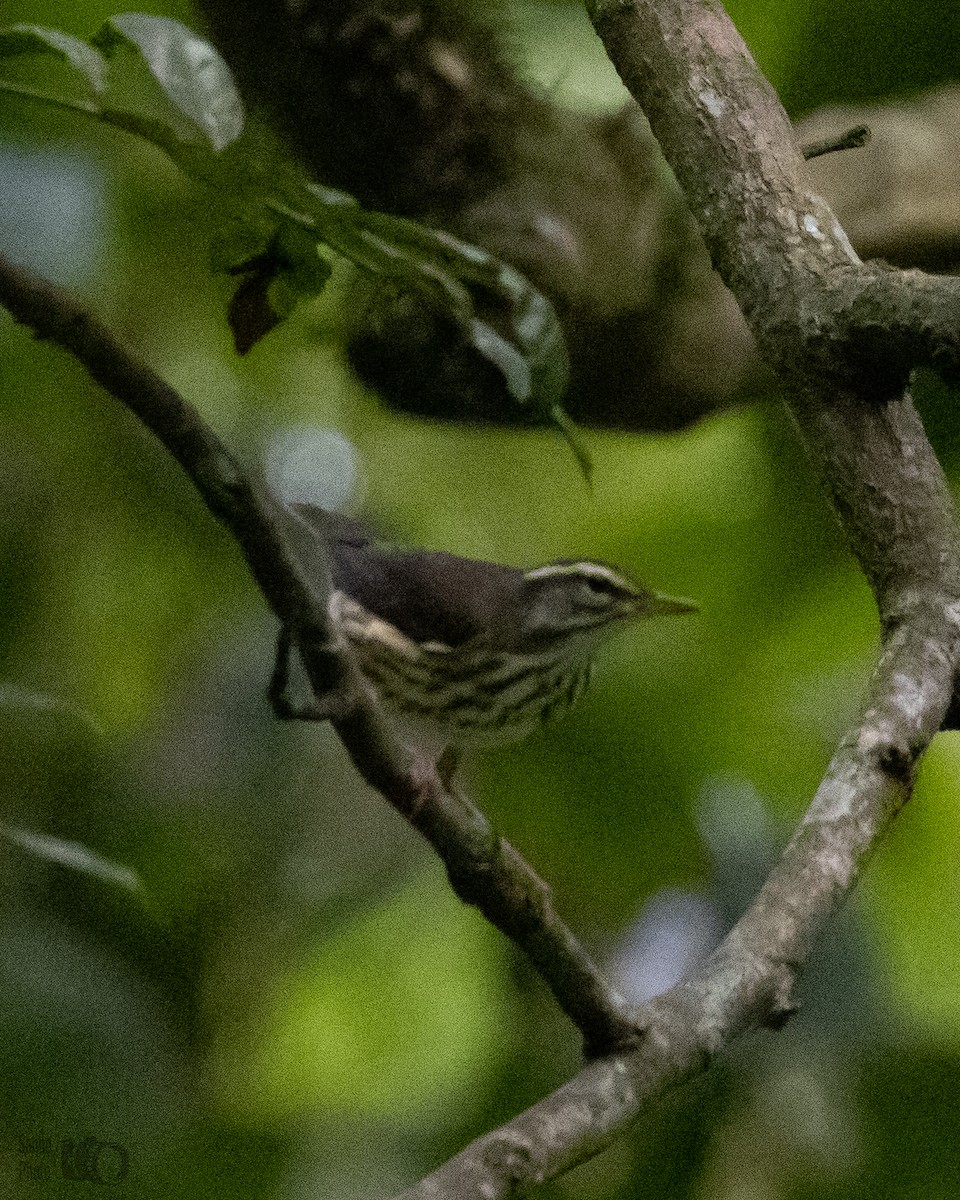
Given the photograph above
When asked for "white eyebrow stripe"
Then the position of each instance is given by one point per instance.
(586, 568)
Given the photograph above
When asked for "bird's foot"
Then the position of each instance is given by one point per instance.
(278, 689)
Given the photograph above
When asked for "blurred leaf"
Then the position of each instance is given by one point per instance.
(506, 357)
(251, 313)
(51, 757)
(191, 73)
(304, 268)
(36, 39)
(281, 296)
(240, 241)
(192, 156)
(498, 311)
(531, 353)
(15, 699)
(74, 855)
(570, 433)
(187, 145)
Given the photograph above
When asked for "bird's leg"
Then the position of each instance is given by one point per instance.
(278, 688)
(447, 765)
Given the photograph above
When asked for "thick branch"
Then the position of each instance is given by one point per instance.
(485, 870)
(780, 250)
(892, 321)
(782, 253)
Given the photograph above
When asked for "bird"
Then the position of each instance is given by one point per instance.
(462, 652)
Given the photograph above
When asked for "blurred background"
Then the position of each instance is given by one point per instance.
(294, 1004)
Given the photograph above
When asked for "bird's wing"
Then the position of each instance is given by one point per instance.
(430, 596)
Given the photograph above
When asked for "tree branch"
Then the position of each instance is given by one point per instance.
(815, 312)
(851, 139)
(843, 338)
(748, 981)
(484, 869)
(780, 250)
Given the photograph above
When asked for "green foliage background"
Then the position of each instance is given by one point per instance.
(296, 1005)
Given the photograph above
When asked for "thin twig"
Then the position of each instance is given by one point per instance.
(853, 139)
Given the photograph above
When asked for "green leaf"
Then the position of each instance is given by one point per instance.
(539, 336)
(192, 157)
(530, 352)
(240, 241)
(251, 313)
(74, 855)
(281, 297)
(303, 266)
(37, 39)
(331, 197)
(570, 433)
(505, 357)
(501, 315)
(191, 73)
(346, 230)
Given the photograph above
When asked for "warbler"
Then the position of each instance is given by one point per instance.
(463, 652)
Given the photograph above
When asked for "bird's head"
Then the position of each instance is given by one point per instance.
(575, 601)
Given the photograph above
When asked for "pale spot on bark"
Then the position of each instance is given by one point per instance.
(812, 226)
(714, 104)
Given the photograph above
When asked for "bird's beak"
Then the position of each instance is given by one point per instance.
(661, 605)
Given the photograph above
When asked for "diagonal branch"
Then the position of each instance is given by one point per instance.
(484, 869)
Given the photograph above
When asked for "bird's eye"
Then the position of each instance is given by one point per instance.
(597, 586)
